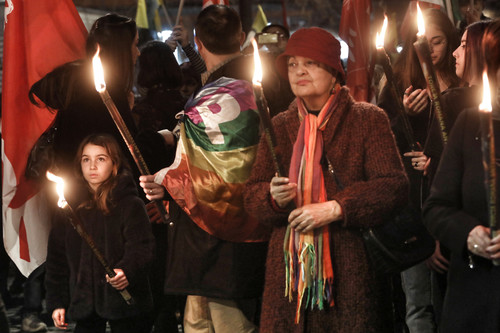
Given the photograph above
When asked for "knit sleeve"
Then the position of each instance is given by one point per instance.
(257, 197)
(195, 59)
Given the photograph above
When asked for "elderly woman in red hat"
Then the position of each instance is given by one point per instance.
(343, 174)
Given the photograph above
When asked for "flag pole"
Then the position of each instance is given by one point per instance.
(165, 12)
(179, 12)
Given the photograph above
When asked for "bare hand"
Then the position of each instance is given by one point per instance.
(419, 161)
(437, 261)
(153, 191)
(312, 216)
(171, 42)
(180, 34)
(282, 191)
(119, 281)
(479, 241)
(415, 101)
(59, 318)
(494, 248)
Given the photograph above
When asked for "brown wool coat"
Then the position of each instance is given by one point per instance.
(360, 145)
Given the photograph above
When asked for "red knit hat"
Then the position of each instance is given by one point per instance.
(314, 43)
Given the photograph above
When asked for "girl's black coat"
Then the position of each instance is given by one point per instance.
(76, 281)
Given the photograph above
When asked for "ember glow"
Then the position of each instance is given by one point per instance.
(420, 21)
(100, 84)
(485, 105)
(379, 40)
(257, 75)
(59, 188)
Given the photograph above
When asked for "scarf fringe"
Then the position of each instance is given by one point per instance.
(309, 280)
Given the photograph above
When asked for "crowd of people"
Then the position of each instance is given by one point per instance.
(265, 236)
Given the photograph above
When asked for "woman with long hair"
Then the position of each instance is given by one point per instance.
(457, 214)
(70, 88)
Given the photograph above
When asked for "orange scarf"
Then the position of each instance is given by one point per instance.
(307, 255)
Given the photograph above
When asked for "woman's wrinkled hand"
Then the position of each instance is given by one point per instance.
(312, 216)
(119, 281)
(419, 161)
(415, 101)
(59, 318)
(153, 191)
(282, 191)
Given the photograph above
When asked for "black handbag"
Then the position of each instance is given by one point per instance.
(399, 243)
(42, 156)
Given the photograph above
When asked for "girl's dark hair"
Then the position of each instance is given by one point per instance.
(115, 35)
(474, 56)
(101, 198)
(408, 66)
(158, 67)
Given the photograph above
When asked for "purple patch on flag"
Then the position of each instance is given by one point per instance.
(240, 90)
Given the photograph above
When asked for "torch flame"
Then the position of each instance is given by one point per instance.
(257, 75)
(59, 188)
(485, 105)
(100, 84)
(379, 40)
(420, 21)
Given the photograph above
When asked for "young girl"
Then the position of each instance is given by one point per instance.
(106, 202)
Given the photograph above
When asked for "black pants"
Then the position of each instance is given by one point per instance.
(96, 324)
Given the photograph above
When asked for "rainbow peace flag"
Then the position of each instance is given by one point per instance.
(215, 153)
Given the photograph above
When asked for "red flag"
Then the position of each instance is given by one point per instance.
(355, 31)
(38, 36)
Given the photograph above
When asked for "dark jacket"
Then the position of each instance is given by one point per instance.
(70, 89)
(201, 264)
(457, 204)
(454, 101)
(359, 144)
(76, 281)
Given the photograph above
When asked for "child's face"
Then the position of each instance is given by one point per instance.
(96, 164)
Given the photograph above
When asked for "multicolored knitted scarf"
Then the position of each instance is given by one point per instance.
(307, 255)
